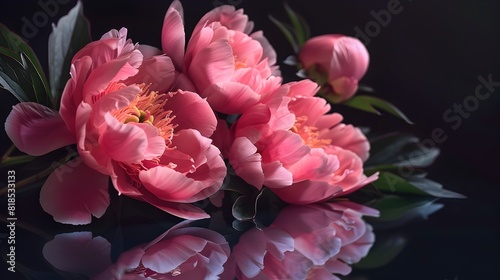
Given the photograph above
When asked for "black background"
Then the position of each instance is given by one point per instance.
(426, 59)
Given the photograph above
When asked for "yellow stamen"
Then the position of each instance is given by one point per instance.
(239, 63)
(149, 107)
(309, 134)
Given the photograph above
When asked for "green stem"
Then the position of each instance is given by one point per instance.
(8, 152)
(31, 179)
(8, 161)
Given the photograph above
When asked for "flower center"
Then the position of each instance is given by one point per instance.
(238, 64)
(148, 107)
(309, 134)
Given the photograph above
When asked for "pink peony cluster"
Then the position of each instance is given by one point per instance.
(150, 119)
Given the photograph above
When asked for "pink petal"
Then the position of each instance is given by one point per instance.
(89, 125)
(222, 137)
(306, 192)
(246, 49)
(172, 35)
(36, 129)
(158, 71)
(305, 219)
(78, 252)
(276, 176)
(72, 95)
(246, 162)
(328, 121)
(212, 64)
(169, 185)
(127, 261)
(319, 246)
(183, 82)
(314, 108)
(210, 173)
(317, 165)
(73, 193)
(109, 102)
(353, 253)
(123, 183)
(149, 51)
(192, 112)
(350, 227)
(269, 51)
(286, 147)
(200, 39)
(350, 59)
(101, 77)
(230, 97)
(190, 142)
(228, 17)
(170, 253)
(198, 160)
(350, 175)
(344, 87)
(278, 242)
(337, 267)
(321, 273)
(294, 266)
(131, 142)
(182, 210)
(100, 51)
(362, 209)
(249, 253)
(318, 50)
(254, 122)
(349, 138)
(304, 88)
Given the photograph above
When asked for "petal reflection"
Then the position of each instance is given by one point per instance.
(304, 242)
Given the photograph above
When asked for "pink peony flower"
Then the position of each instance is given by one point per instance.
(304, 242)
(126, 124)
(291, 145)
(340, 60)
(181, 252)
(230, 67)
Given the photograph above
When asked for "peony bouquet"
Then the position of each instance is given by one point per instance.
(206, 121)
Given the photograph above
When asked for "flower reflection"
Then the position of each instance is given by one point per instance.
(304, 242)
(181, 252)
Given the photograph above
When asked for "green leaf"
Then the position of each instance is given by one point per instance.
(288, 32)
(385, 249)
(71, 33)
(19, 76)
(8, 84)
(391, 183)
(393, 207)
(244, 208)
(398, 149)
(237, 184)
(20, 64)
(261, 207)
(433, 188)
(300, 27)
(373, 105)
(268, 206)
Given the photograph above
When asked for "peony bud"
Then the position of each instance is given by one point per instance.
(335, 60)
